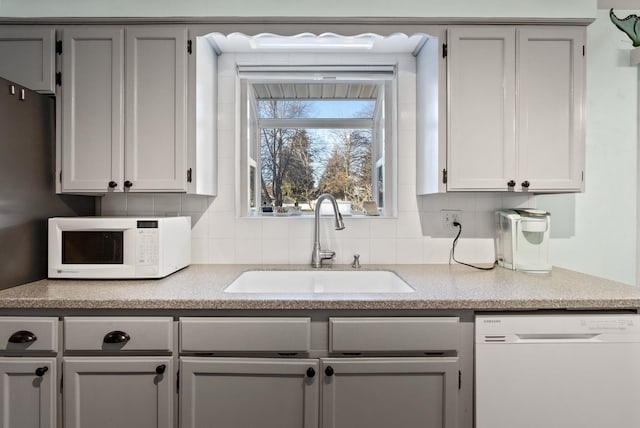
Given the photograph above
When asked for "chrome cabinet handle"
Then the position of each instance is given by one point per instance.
(117, 336)
(22, 336)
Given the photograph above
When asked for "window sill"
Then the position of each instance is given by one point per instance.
(311, 216)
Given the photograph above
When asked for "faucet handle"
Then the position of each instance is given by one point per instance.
(356, 261)
(327, 255)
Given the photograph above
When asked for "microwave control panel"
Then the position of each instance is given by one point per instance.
(147, 245)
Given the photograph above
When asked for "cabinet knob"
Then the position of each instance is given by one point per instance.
(128, 184)
(160, 369)
(328, 371)
(22, 336)
(511, 184)
(116, 336)
(40, 371)
(525, 184)
(113, 184)
(311, 372)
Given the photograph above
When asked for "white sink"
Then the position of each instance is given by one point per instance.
(318, 281)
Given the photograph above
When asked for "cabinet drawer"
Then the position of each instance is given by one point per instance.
(118, 334)
(245, 334)
(19, 334)
(435, 334)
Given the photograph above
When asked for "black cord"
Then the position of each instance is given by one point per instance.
(453, 249)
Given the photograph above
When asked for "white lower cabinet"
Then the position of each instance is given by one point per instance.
(249, 392)
(368, 372)
(390, 392)
(28, 392)
(118, 372)
(123, 392)
(409, 392)
(28, 372)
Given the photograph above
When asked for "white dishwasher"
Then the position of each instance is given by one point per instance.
(557, 371)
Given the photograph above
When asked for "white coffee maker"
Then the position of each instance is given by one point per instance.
(522, 239)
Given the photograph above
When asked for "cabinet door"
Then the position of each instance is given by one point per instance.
(249, 392)
(390, 392)
(123, 392)
(156, 106)
(28, 56)
(27, 392)
(550, 108)
(92, 109)
(481, 87)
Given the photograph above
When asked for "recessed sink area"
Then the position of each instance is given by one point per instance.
(318, 282)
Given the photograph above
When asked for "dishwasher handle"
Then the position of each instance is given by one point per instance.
(557, 337)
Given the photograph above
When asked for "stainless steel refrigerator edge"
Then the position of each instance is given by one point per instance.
(27, 195)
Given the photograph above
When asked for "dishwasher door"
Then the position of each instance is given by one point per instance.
(557, 371)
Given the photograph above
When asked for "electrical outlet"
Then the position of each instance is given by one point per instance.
(448, 217)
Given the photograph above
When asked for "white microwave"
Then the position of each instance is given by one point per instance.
(118, 247)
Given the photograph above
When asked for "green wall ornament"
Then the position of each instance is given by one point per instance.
(629, 25)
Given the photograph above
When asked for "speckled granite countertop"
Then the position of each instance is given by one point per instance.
(437, 287)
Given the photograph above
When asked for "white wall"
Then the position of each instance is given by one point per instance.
(397, 8)
(595, 232)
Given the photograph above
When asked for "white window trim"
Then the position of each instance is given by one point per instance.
(384, 63)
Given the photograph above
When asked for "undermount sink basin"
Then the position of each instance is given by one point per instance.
(318, 281)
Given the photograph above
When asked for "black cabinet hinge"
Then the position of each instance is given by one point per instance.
(583, 49)
(178, 380)
(189, 175)
(189, 47)
(459, 379)
(445, 50)
(61, 382)
(58, 79)
(60, 176)
(444, 176)
(59, 47)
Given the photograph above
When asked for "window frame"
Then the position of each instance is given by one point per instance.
(384, 150)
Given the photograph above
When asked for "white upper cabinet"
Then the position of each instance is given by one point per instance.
(28, 56)
(515, 115)
(92, 109)
(124, 110)
(550, 127)
(481, 149)
(156, 108)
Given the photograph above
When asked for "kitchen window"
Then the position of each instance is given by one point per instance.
(314, 131)
(320, 113)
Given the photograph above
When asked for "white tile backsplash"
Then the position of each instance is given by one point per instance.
(221, 251)
(383, 251)
(199, 250)
(167, 204)
(415, 236)
(410, 251)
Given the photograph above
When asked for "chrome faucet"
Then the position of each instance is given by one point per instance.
(319, 254)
